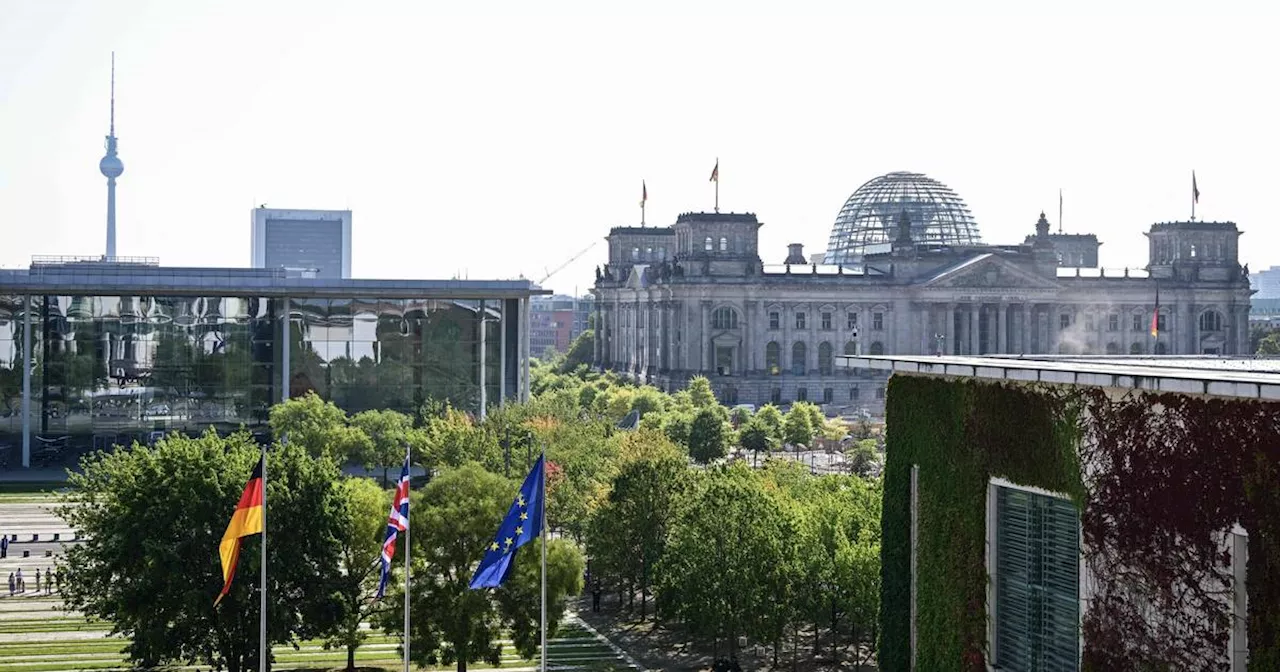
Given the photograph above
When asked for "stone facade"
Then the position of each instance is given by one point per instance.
(709, 306)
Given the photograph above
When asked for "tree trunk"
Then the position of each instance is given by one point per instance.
(795, 646)
(777, 644)
(835, 636)
(462, 664)
(351, 658)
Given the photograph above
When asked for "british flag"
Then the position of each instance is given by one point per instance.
(397, 522)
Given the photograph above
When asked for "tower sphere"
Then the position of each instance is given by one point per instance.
(868, 222)
(111, 166)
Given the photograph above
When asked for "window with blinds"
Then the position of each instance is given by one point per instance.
(1037, 582)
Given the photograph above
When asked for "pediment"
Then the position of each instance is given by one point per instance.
(636, 278)
(989, 271)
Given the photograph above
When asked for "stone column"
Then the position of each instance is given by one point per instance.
(597, 341)
(747, 355)
(1024, 333)
(286, 334)
(1002, 336)
(704, 342)
(975, 336)
(949, 328)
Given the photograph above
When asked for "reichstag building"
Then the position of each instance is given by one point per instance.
(97, 353)
(905, 272)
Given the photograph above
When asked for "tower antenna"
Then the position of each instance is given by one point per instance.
(113, 93)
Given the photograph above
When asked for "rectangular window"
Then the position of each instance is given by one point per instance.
(1064, 321)
(853, 393)
(1088, 322)
(1036, 576)
(852, 319)
(775, 320)
(1161, 322)
(775, 395)
(799, 320)
(802, 394)
(828, 395)
(877, 321)
(1113, 322)
(879, 393)
(1137, 322)
(826, 321)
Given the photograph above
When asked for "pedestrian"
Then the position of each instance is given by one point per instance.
(58, 578)
(13, 584)
(37, 579)
(4, 545)
(595, 596)
(21, 588)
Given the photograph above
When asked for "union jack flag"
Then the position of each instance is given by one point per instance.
(397, 522)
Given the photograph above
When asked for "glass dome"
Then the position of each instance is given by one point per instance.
(868, 221)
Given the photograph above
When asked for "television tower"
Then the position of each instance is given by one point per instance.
(111, 167)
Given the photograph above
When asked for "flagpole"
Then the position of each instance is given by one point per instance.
(1193, 195)
(407, 453)
(543, 534)
(717, 184)
(262, 616)
(1059, 210)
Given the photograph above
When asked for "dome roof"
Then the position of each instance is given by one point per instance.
(868, 220)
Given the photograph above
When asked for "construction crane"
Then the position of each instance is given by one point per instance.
(561, 267)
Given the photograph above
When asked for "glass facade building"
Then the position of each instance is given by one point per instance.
(118, 352)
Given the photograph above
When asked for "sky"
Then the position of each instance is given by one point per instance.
(501, 139)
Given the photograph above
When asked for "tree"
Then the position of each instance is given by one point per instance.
(581, 351)
(455, 519)
(728, 558)
(861, 455)
(700, 392)
(153, 518)
(707, 436)
(629, 531)
(320, 427)
(363, 526)
(797, 428)
(771, 418)
(388, 432)
(1270, 344)
(754, 436)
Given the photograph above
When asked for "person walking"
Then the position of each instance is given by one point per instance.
(21, 588)
(13, 584)
(37, 579)
(48, 581)
(4, 545)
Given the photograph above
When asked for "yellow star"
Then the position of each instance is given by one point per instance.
(520, 499)
(519, 531)
(493, 546)
(510, 541)
(524, 516)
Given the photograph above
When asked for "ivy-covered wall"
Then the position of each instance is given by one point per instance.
(1168, 475)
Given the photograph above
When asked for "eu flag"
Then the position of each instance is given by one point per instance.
(521, 526)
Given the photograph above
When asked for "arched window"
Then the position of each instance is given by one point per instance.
(1210, 320)
(877, 348)
(798, 358)
(1135, 349)
(773, 358)
(707, 243)
(648, 253)
(635, 253)
(724, 244)
(825, 361)
(724, 318)
(850, 348)
(1161, 349)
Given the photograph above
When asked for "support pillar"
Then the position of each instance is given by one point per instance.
(483, 395)
(524, 349)
(502, 351)
(286, 337)
(949, 329)
(26, 382)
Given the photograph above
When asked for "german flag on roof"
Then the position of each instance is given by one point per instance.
(246, 520)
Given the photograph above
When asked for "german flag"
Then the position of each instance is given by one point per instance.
(245, 521)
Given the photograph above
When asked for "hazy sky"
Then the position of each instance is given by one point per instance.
(502, 143)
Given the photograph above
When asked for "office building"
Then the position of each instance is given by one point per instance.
(98, 353)
(309, 241)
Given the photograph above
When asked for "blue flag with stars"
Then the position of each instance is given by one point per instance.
(522, 525)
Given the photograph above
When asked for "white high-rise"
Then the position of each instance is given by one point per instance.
(308, 240)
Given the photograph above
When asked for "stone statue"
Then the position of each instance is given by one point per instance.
(597, 274)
